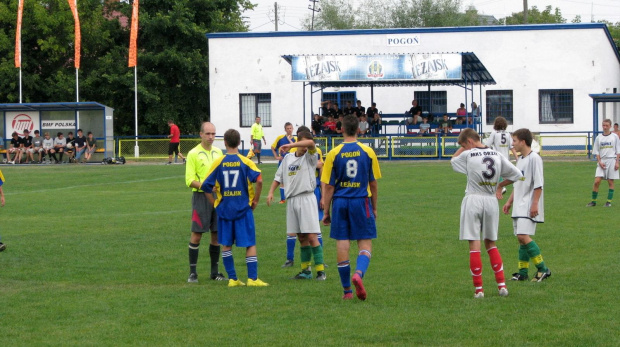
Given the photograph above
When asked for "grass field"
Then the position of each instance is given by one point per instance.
(97, 255)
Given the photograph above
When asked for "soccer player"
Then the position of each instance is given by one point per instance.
(350, 174)
(275, 149)
(479, 209)
(297, 173)
(48, 147)
(2, 245)
(256, 135)
(528, 207)
(26, 147)
(204, 219)
(59, 146)
(15, 149)
(232, 175)
(175, 141)
(607, 151)
(37, 145)
(500, 140)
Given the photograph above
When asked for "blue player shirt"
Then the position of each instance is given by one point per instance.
(232, 175)
(282, 140)
(349, 167)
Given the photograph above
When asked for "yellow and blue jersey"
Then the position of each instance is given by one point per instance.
(232, 175)
(1, 179)
(282, 140)
(349, 167)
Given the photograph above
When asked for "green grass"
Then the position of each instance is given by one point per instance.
(97, 255)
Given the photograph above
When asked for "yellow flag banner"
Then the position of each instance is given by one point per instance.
(18, 35)
(133, 36)
(78, 34)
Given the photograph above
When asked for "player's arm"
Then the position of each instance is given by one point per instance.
(257, 190)
(373, 198)
(274, 186)
(326, 201)
(514, 152)
(508, 203)
(617, 159)
(500, 186)
(1, 197)
(275, 153)
(303, 143)
(600, 162)
(535, 200)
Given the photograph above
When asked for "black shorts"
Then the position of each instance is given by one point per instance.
(173, 147)
(204, 217)
(256, 144)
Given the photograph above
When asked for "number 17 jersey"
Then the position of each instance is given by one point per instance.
(484, 167)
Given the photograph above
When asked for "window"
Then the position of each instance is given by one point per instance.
(555, 106)
(252, 106)
(341, 98)
(438, 100)
(499, 104)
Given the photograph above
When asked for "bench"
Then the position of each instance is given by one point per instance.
(3, 151)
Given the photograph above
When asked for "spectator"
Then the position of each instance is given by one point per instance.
(415, 113)
(48, 146)
(317, 125)
(445, 125)
(15, 149)
(339, 124)
(174, 147)
(363, 126)
(59, 147)
(349, 109)
(26, 146)
(70, 147)
(425, 127)
(329, 128)
(335, 110)
(372, 110)
(91, 146)
(461, 111)
(80, 145)
(375, 124)
(360, 109)
(37, 143)
(326, 108)
(475, 112)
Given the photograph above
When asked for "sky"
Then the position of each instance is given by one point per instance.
(291, 12)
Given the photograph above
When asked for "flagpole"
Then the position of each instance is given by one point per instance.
(20, 83)
(135, 106)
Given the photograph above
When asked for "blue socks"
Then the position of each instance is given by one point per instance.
(252, 263)
(344, 269)
(282, 194)
(363, 260)
(290, 247)
(229, 264)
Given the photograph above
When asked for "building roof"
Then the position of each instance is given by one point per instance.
(52, 106)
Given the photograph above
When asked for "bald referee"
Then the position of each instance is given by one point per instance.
(204, 219)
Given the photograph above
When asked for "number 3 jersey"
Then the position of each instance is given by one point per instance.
(232, 175)
(349, 167)
(484, 167)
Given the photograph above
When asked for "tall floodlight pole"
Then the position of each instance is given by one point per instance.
(133, 62)
(18, 45)
(314, 10)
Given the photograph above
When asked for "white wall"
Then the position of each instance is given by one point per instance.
(524, 61)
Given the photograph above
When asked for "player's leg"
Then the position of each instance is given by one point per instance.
(475, 267)
(363, 229)
(291, 239)
(214, 255)
(361, 265)
(317, 193)
(245, 236)
(170, 151)
(610, 194)
(597, 183)
(61, 152)
(226, 238)
(497, 265)
(344, 267)
(305, 257)
(257, 149)
(317, 254)
(193, 249)
(526, 228)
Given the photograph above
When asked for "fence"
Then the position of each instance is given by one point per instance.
(551, 144)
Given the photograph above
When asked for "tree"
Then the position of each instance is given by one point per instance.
(535, 16)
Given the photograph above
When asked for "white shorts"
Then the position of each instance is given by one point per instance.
(524, 226)
(479, 217)
(302, 214)
(608, 173)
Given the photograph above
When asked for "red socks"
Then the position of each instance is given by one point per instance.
(498, 267)
(475, 266)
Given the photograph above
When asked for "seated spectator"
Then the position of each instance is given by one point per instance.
(60, 142)
(339, 129)
(461, 111)
(415, 113)
(375, 124)
(37, 146)
(80, 145)
(360, 110)
(317, 125)
(326, 108)
(48, 147)
(15, 149)
(329, 127)
(425, 127)
(349, 109)
(91, 145)
(475, 113)
(445, 125)
(372, 110)
(69, 147)
(26, 147)
(363, 126)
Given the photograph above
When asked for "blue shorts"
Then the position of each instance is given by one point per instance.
(317, 193)
(239, 232)
(352, 219)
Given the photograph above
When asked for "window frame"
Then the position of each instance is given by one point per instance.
(556, 106)
(491, 111)
(266, 119)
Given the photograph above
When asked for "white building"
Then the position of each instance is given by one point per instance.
(543, 74)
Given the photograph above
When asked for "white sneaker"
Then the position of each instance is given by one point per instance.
(503, 292)
(479, 295)
(12, 162)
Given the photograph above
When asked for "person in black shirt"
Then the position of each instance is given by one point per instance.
(415, 112)
(26, 146)
(349, 109)
(80, 145)
(70, 145)
(370, 112)
(317, 125)
(15, 149)
(360, 109)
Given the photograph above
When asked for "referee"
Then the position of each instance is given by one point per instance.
(204, 219)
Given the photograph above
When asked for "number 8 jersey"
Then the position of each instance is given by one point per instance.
(484, 167)
(349, 167)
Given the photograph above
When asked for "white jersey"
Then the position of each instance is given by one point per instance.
(606, 146)
(48, 143)
(484, 167)
(501, 141)
(296, 174)
(59, 141)
(532, 169)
